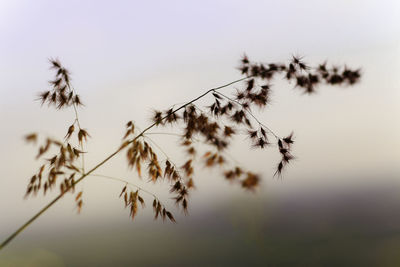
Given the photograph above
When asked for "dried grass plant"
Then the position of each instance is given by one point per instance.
(213, 126)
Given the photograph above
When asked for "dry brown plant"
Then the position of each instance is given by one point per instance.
(63, 163)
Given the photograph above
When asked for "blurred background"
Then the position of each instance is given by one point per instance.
(338, 204)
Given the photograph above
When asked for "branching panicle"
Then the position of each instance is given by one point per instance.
(211, 129)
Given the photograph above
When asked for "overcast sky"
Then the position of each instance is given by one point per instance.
(127, 57)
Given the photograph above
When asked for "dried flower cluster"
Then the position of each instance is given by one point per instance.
(61, 95)
(213, 128)
(132, 198)
(61, 166)
(305, 77)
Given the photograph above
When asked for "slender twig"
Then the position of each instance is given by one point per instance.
(161, 133)
(79, 125)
